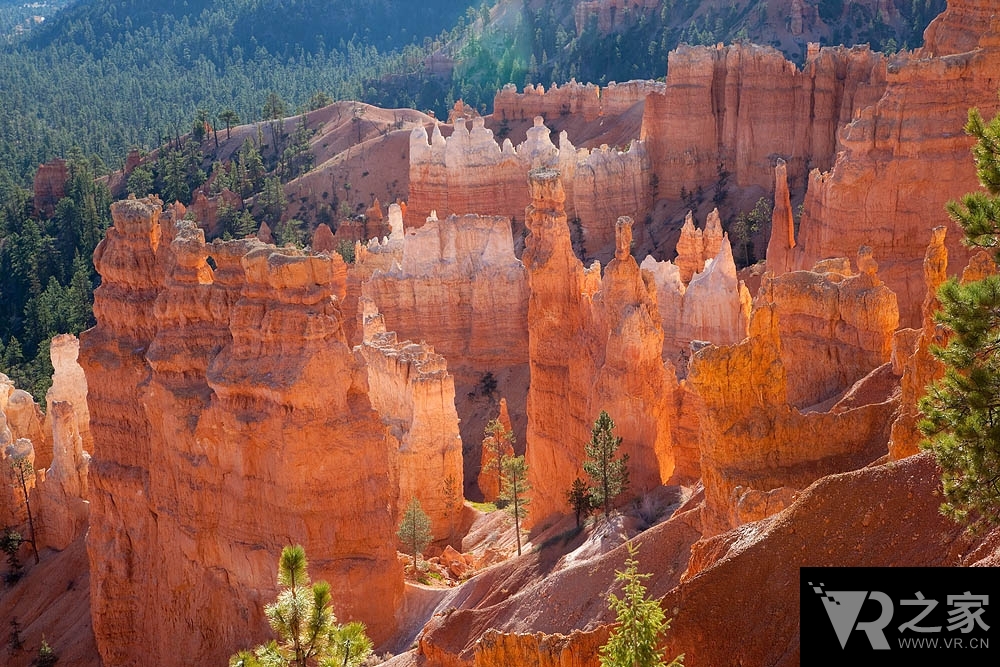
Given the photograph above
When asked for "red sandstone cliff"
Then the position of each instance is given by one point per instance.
(906, 156)
(744, 105)
(231, 412)
(594, 343)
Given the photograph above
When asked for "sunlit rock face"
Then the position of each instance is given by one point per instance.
(594, 343)
(743, 106)
(456, 285)
(906, 156)
(808, 393)
(235, 419)
(469, 172)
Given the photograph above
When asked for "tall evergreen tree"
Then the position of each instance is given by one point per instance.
(962, 410)
(415, 530)
(609, 474)
(497, 443)
(578, 497)
(513, 491)
(636, 639)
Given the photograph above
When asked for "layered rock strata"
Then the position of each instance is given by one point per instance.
(580, 100)
(456, 284)
(835, 325)
(470, 173)
(743, 106)
(411, 387)
(757, 448)
(593, 344)
(881, 192)
(235, 419)
(714, 307)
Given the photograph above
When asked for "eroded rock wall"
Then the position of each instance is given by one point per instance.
(744, 105)
(906, 156)
(581, 100)
(835, 326)
(236, 419)
(456, 284)
(468, 172)
(593, 344)
(757, 448)
(410, 385)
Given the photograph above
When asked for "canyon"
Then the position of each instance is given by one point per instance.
(235, 396)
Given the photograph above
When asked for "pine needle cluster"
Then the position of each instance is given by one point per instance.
(962, 409)
(302, 617)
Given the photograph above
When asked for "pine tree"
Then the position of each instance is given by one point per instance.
(230, 118)
(415, 530)
(513, 489)
(578, 497)
(609, 475)
(962, 410)
(303, 618)
(497, 443)
(635, 640)
(20, 462)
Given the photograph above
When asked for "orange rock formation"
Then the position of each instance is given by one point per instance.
(410, 385)
(441, 283)
(50, 186)
(755, 442)
(714, 305)
(905, 156)
(231, 412)
(741, 105)
(587, 101)
(470, 173)
(593, 344)
(577, 649)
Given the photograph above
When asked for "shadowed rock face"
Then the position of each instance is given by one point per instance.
(233, 420)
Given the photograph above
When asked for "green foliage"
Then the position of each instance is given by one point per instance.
(513, 491)
(497, 443)
(303, 619)
(14, 642)
(345, 248)
(24, 471)
(578, 497)
(48, 277)
(608, 474)
(140, 181)
(641, 623)
(414, 530)
(10, 544)
(962, 409)
(290, 232)
(46, 655)
(746, 226)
